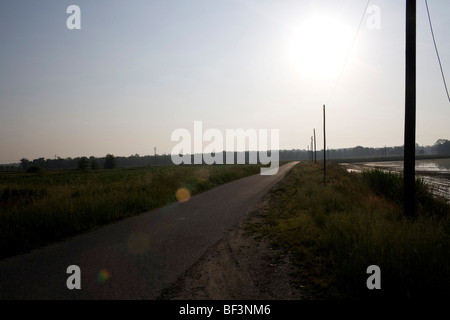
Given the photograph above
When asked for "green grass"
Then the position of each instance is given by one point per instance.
(43, 207)
(334, 232)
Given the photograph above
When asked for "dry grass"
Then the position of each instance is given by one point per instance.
(39, 208)
(335, 232)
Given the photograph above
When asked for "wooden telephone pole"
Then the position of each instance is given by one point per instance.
(410, 111)
(324, 150)
(315, 149)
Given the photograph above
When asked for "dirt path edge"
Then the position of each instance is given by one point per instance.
(241, 266)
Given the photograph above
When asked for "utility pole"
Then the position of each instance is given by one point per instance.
(312, 150)
(324, 149)
(315, 149)
(155, 154)
(410, 111)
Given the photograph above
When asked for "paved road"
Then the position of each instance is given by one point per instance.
(138, 257)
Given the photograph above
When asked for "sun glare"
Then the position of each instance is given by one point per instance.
(320, 46)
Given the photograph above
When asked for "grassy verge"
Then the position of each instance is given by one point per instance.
(39, 208)
(335, 232)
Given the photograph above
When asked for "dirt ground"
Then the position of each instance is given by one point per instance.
(239, 267)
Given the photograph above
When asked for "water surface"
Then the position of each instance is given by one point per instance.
(434, 172)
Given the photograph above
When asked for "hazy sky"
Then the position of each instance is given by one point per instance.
(137, 70)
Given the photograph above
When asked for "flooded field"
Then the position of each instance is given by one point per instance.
(435, 172)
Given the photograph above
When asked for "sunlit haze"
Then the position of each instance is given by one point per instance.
(138, 70)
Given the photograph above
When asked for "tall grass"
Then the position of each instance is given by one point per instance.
(390, 185)
(39, 208)
(335, 232)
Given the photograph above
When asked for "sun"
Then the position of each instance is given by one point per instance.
(320, 46)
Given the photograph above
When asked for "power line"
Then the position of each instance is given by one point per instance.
(350, 50)
(437, 52)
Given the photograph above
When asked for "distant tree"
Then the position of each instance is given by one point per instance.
(94, 163)
(110, 162)
(24, 163)
(82, 163)
(359, 151)
(440, 141)
(443, 147)
(40, 162)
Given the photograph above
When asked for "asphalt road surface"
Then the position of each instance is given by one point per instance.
(138, 257)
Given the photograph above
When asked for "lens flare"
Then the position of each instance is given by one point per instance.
(183, 195)
(103, 276)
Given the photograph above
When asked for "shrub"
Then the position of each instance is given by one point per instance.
(110, 162)
(34, 169)
(82, 163)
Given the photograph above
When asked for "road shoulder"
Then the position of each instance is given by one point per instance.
(241, 266)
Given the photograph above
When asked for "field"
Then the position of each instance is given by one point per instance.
(334, 232)
(40, 208)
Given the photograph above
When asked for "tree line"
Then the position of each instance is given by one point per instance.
(80, 163)
(441, 147)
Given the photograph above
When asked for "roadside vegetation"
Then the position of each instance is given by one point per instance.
(40, 206)
(334, 232)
